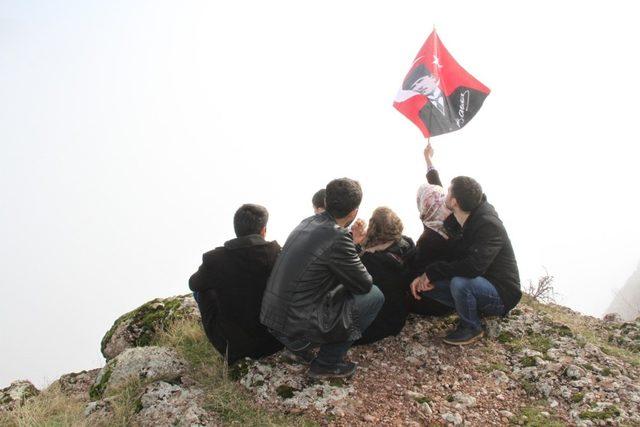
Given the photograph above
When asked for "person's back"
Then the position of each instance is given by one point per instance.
(229, 286)
(303, 277)
(391, 274)
(319, 292)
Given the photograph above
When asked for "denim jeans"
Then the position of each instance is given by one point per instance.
(366, 305)
(469, 297)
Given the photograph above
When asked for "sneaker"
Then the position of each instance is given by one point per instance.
(299, 357)
(320, 371)
(463, 336)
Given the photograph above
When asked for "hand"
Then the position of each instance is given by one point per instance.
(428, 153)
(420, 284)
(358, 231)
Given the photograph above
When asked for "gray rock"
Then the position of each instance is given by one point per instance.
(464, 399)
(77, 384)
(138, 327)
(574, 372)
(452, 418)
(172, 405)
(16, 394)
(499, 377)
(507, 414)
(144, 363)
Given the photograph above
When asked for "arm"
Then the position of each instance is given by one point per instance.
(488, 242)
(432, 174)
(345, 263)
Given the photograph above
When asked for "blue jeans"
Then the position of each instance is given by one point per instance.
(367, 306)
(469, 297)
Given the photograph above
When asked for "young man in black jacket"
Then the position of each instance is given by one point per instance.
(482, 275)
(229, 285)
(319, 292)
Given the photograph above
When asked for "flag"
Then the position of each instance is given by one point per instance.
(437, 94)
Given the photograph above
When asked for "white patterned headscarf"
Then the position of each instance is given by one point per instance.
(432, 207)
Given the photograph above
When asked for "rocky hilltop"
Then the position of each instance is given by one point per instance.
(543, 365)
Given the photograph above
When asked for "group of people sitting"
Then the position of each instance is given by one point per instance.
(338, 281)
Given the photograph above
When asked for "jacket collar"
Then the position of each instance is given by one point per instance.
(246, 241)
(451, 224)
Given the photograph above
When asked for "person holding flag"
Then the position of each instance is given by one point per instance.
(480, 275)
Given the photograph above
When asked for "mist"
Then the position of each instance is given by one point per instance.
(132, 131)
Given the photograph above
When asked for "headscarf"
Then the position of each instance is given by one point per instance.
(432, 207)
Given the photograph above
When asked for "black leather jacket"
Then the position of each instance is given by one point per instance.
(309, 294)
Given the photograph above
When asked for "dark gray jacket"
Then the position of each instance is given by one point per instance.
(309, 294)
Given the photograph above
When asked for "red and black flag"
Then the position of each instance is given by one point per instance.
(437, 94)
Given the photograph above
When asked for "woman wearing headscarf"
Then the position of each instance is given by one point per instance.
(384, 250)
(433, 243)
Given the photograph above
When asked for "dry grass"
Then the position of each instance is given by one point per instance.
(49, 408)
(228, 399)
(586, 327)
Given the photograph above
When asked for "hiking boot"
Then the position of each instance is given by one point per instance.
(463, 336)
(321, 371)
(299, 357)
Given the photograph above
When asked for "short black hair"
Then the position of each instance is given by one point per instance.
(467, 191)
(318, 198)
(250, 219)
(342, 196)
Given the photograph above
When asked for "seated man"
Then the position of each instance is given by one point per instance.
(229, 285)
(318, 201)
(482, 275)
(319, 292)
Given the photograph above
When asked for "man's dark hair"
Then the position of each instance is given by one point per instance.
(318, 198)
(250, 219)
(342, 196)
(467, 192)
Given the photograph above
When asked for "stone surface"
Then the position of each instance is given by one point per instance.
(77, 384)
(143, 363)
(16, 394)
(138, 327)
(173, 405)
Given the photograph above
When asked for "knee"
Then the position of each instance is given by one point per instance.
(459, 287)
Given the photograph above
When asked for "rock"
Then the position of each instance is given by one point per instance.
(492, 327)
(144, 363)
(464, 399)
(499, 377)
(612, 317)
(574, 372)
(416, 350)
(452, 418)
(414, 361)
(77, 384)
(507, 414)
(426, 408)
(138, 327)
(100, 411)
(169, 404)
(544, 388)
(286, 387)
(16, 394)
(369, 418)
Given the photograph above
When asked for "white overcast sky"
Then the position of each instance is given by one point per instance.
(130, 131)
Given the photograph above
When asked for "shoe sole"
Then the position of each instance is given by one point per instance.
(469, 341)
(330, 376)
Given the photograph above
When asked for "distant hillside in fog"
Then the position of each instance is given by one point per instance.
(627, 300)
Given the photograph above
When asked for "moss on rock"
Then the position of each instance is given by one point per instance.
(139, 327)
